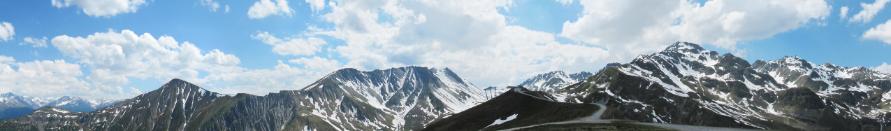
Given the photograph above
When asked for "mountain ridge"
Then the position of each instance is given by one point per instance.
(686, 79)
(346, 99)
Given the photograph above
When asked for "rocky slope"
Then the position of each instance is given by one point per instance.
(687, 84)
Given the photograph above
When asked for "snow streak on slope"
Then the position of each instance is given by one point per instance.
(407, 97)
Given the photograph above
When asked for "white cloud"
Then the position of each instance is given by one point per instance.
(6, 59)
(35, 42)
(476, 41)
(101, 8)
(215, 6)
(263, 81)
(623, 26)
(6, 31)
(472, 39)
(114, 57)
(291, 46)
(884, 68)
(316, 5)
(881, 32)
(44, 78)
(265, 8)
(317, 63)
(869, 11)
(843, 12)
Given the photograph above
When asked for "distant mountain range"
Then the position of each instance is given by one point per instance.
(683, 85)
(12, 105)
(549, 82)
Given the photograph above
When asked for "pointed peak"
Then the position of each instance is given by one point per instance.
(556, 72)
(684, 47)
(346, 70)
(179, 83)
(177, 80)
(794, 61)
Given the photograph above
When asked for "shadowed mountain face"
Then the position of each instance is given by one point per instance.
(687, 84)
(348, 99)
(514, 108)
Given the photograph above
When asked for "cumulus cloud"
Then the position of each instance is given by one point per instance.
(101, 8)
(317, 63)
(265, 8)
(869, 11)
(621, 25)
(35, 42)
(291, 46)
(6, 31)
(881, 32)
(262, 81)
(884, 68)
(114, 57)
(476, 41)
(472, 39)
(46, 78)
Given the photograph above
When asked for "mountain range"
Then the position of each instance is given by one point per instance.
(348, 99)
(13, 105)
(683, 85)
(686, 84)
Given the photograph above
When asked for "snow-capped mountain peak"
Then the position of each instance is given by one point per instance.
(418, 93)
(726, 90)
(550, 81)
(684, 47)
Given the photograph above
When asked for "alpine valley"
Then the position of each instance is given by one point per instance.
(683, 87)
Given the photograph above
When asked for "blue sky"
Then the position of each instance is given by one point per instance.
(290, 43)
